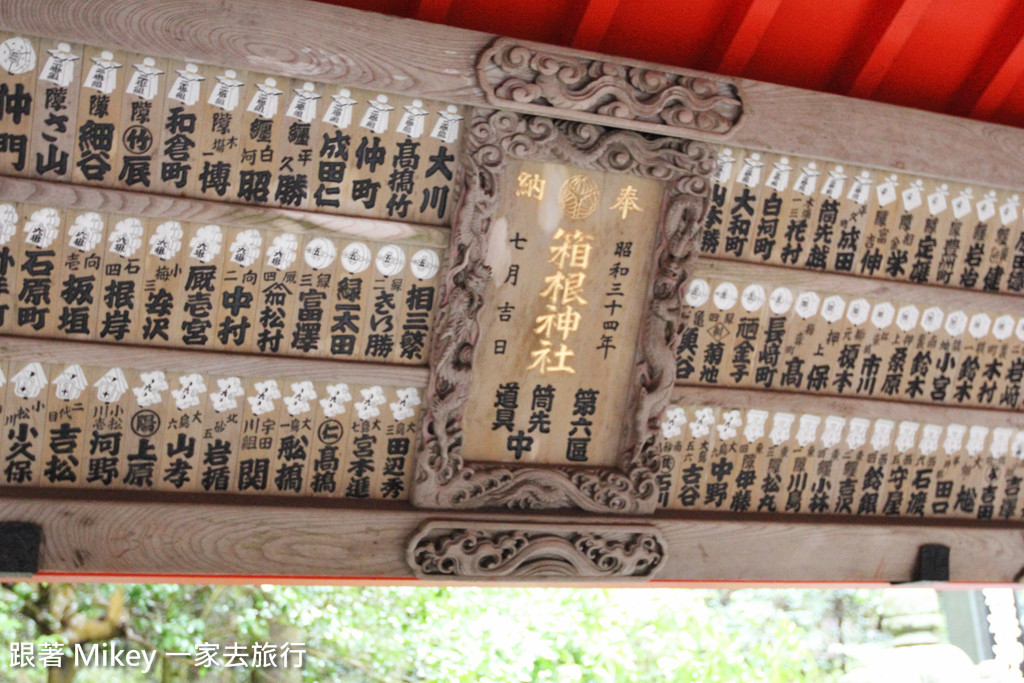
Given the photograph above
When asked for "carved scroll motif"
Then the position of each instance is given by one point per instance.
(492, 551)
(533, 79)
(443, 478)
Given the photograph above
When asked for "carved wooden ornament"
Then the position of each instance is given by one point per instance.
(455, 550)
(445, 476)
(534, 79)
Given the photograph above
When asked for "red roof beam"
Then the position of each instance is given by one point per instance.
(883, 36)
(738, 36)
(435, 11)
(593, 24)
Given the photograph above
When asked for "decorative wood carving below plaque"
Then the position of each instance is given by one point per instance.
(443, 478)
(533, 79)
(494, 551)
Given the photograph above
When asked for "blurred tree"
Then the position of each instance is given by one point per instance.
(405, 634)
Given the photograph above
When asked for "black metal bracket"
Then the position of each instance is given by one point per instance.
(19, 548)
(932, 565)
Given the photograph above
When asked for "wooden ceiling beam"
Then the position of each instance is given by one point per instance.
(738, 36)
(878, 43)
(997, 71)
(594, 23)
(223, 538)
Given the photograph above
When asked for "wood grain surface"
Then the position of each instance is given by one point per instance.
(123, 538)
(400, 55)
(27, 349)
(120, 535)
(853, 288)
(175, 208)
(832, 405)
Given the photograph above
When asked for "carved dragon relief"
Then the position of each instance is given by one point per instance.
(495, 551)
(444, 478)
(536, 80)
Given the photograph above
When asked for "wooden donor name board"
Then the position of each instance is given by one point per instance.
(528, 307)
(781, 461)
(117, 119)
(279, 288)
(133, 429)
(799, 335)
(809, 213)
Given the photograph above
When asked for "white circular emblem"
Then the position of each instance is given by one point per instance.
(753, 298)
(807, 304)
(832, 308)
(390, 260)
(882, 315)
(956, 323)
(726, 296)
(697, 293)
(17, 56)
(780, 301)
(907, 318)
(425, 264)
(931, 320)
(858, 311)
(1003, 327)
(356, 257)
(319, 253)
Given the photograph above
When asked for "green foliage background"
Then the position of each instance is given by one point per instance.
(486, 634)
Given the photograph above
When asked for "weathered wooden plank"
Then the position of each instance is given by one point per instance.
(879, 135)
(171, 360)
(199, 211)
(855, 287)
(120, 538)
(833, 405)
(439, 61)
(264, 36)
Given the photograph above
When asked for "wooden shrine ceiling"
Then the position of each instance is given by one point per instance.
(946, 56)
(402, 285)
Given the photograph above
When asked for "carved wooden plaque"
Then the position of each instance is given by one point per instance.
(569, 252)
(573, 193)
